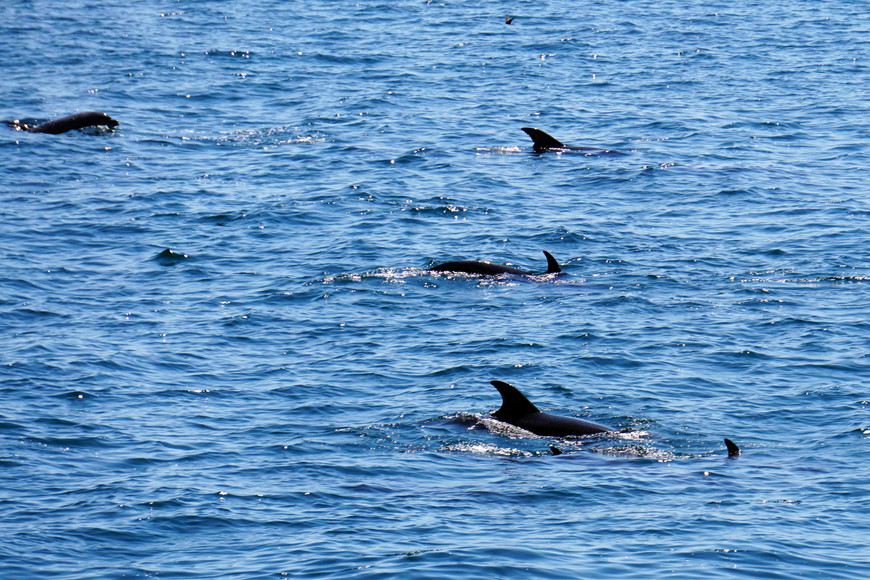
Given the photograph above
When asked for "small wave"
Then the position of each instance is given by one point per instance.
(244, 54)
(71, 442)
(169, 258)
(501, 150)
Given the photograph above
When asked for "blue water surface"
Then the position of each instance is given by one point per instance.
(223, 357)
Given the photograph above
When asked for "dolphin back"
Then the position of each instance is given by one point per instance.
(77, 121)
(475, 267)
(548, 425)
(490, 269)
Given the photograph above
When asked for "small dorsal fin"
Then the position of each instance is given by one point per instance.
(733, 450)
(542, 140)
(514, 403)
(552, 265)
(555, 450)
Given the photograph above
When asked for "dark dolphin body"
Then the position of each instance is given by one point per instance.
(517, 410)
(62, 125)
(544, 142)
(489, 269)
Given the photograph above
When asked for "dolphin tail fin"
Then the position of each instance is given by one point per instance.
(514, 403)
(542, 140)
(552, 265)
(733, 450)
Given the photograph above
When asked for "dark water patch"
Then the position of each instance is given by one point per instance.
(12, 427)
(169, 258)
(75, 395)
(30, 315)
(59, 422)
(70, 442)
(223, 218)
(623, 300)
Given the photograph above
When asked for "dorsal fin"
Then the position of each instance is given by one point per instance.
(552, 265)
(733, 450)
(514, 404)
(542, 140)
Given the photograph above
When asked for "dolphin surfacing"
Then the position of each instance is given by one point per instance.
(490, 269)
(544, 142)
(517, 410)
(64, 124)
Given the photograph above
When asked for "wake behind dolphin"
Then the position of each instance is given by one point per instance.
(64, 124)
(733, 449)
(490, 269)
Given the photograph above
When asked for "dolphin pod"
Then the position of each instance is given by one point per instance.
(490, 269)
(544, 142)
(64, 124)
(517, 410)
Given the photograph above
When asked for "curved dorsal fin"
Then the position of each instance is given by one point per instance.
(552, 265)
(542, 140)
(514, 404)
(733, 450)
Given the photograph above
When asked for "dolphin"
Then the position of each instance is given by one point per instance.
(489, 269)
(517, 410)
(545, 142)
(64, 124)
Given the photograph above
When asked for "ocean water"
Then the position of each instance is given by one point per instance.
(223, 357)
